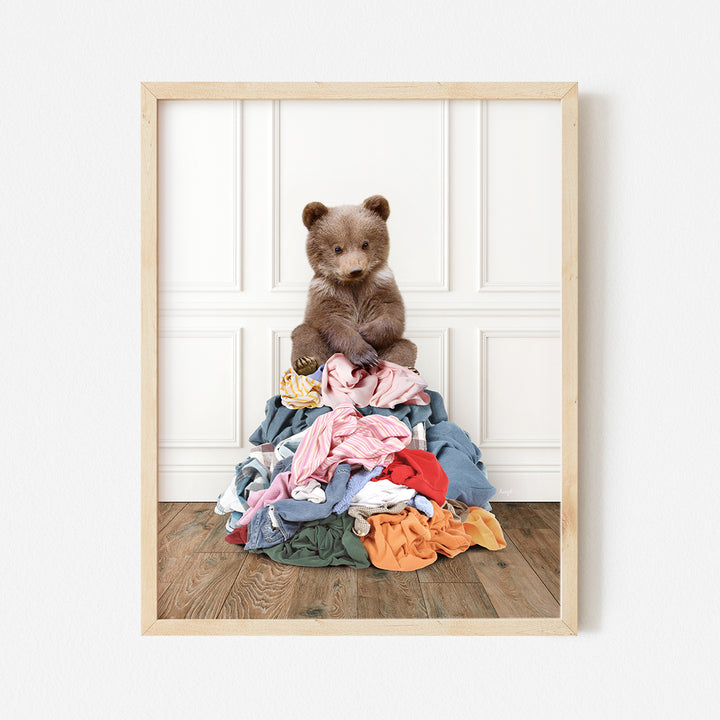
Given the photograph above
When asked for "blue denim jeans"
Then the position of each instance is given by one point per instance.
(267, 529)
(276, 523)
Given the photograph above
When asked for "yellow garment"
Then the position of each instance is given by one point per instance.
(484, 529)
(299, 391)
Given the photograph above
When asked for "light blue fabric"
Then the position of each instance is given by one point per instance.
(460, 459)
(357, 481)
(317, 375)
(303, 510)
(232, 521)
(421, 503)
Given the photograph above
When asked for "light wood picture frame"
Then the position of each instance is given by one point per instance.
(566, 93)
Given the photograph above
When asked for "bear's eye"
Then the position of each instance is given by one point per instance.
(366, 245)
(338, 250)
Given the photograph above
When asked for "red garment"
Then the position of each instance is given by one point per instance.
(419, 470)
(238, 536)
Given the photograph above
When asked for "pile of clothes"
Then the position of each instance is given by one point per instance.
(359, 467)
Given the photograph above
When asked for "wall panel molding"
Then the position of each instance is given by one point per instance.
(276, 338)
(233, 440)
(442, 335)
(413, 309)
(512, 442)
(442, 260)
(234, 285)
(484, 284)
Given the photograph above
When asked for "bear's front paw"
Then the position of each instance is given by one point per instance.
(377, 332)
(305, 365)
(363, 357)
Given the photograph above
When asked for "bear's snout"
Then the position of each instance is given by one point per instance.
(352, 267)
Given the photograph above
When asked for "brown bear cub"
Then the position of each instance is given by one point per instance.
(354, 305)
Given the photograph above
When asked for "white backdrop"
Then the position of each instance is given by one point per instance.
(649, 413)
(475, 228)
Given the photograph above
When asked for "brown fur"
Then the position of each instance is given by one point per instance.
(354, 305)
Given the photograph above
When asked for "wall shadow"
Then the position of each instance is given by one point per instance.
(595, 162)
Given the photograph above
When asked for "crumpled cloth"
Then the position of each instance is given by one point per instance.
(484, 529)
(382, 492)
(329, 541)
(422, 504)
(459, 510)
(281, 422)
(344, 435)
(385, 385)
(409, 540)
(250, 475)
(460, 459)
(419, 470)
(239, 536)
(361, 513)
(300, 391)
(278, 489)
(357, 480)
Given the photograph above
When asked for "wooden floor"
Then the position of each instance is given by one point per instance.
(202, 576)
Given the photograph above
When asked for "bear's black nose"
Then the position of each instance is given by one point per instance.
(355, 272)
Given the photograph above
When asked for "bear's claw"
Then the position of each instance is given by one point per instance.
(367, 358)
(305, 365)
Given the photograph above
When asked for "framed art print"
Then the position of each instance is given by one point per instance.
(477, 186)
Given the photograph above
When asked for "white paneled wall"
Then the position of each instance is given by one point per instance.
(474, 192)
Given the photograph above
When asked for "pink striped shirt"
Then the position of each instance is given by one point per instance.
(344, 435)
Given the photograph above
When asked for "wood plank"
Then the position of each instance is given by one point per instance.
(181, 537)
(148, 358)
(389, 594)
(170, 568)
(167, 511)
(204, 584)
(187, 530)
(517, 515)
(450, 570)
(464, 600)
(569, 315)
(407, 627)
(512, 585)
(549, 513)
(263, 589)
(325, 592)
(358, 90)
(541, 549)
(214, 541)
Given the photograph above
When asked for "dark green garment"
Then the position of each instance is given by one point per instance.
(329, 541)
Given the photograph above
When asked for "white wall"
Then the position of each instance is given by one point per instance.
(475, 227)
(650, 415)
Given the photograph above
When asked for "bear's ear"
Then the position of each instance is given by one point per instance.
(379, 205)
(312, 213)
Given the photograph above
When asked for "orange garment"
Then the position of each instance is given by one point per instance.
(410, 540)
(484, 529)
